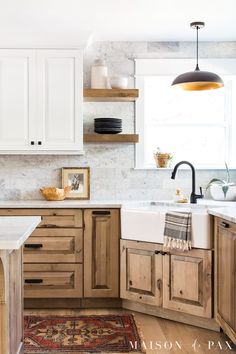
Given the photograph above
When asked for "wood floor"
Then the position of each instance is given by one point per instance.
(184, 339)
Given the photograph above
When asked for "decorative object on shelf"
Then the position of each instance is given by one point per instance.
(99, 75)
(108, 125)
(221, 189)
(162, 159)
(198, 80)
(78, 178)
(119, 82)
(55, 194)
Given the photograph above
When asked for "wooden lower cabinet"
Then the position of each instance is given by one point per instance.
(175, 281)
(187, 282)
(141, 272)
(225, 265)
(101, 253)
(53, 280)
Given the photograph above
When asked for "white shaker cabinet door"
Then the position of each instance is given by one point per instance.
(60, 100)
(17, 93)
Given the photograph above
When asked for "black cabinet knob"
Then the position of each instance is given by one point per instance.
(39, 142)
(32, 143)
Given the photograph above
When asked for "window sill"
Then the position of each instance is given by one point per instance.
(185, 168)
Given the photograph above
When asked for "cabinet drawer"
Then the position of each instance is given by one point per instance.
(50, 217)
(54, 246)
(53, 280)
(62, 218)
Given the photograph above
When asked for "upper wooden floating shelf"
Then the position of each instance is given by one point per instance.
(110, 95)
(111, 138)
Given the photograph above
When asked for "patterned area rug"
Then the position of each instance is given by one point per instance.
(86, 334)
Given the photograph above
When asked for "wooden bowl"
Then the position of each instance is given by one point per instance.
(53, 193)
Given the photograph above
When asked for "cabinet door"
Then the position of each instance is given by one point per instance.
(226, 274)
(141, 272)
(101, 253)
(60, 100)
(17, 95)
(187, 282)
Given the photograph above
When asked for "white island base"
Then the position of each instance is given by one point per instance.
(13, 233)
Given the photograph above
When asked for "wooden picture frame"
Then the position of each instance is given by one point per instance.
(79, 180)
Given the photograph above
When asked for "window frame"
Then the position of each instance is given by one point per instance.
(167, 67)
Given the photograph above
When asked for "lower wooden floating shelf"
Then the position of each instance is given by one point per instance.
(111, 138)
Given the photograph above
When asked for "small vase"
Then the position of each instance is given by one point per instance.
(162, 160)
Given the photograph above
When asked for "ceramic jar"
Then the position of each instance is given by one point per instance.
(99, 75)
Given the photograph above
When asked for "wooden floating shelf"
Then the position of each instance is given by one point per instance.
(111, 138)
(110, 95)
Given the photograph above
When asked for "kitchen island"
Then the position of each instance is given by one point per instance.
(14, 231)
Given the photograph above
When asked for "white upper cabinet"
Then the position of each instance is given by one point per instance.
(41, 100)
(60, 88)
(17, 92)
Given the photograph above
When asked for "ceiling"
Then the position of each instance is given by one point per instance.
(123, 20)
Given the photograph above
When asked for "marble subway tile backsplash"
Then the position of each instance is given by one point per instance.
(112, 165)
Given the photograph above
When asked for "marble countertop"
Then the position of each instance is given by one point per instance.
(226, 210)
(227, 213)
(18, 204)
(60, 204)
(14, 230)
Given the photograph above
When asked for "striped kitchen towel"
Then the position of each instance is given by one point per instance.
(177, 233)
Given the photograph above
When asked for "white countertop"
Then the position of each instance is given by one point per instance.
(14, 230)
(226, 210)
(60, 204)
(227, 213)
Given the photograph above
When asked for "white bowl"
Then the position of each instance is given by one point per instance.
(217, 193)
(119, 82)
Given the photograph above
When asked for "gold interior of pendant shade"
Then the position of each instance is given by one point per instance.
(199, 86)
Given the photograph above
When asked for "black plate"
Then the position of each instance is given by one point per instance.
(107, 125)
(108, 120)
(108, 131)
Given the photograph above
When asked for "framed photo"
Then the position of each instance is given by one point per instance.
(78, 178)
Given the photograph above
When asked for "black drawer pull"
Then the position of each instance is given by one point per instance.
(224, 224)
(49, 225)
(39, 142)
(33, 281)
(33, 245)
(32, 143)
(157, 252)
(101, 212)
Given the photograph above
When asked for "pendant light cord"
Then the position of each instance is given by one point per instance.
(197, 67)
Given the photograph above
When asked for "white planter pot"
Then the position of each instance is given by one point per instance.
(217, 193)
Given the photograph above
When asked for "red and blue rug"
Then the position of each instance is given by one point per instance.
(86, 334)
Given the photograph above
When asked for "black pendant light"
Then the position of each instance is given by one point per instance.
(198, 80)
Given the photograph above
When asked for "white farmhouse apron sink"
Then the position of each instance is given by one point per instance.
(146, 223)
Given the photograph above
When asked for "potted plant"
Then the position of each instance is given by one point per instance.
(222, 189)
(162, 158)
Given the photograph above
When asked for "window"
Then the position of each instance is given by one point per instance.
(197, 126)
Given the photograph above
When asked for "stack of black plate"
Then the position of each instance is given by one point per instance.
(108, 125)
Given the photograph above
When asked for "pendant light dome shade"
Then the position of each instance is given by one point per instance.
(198, 80)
